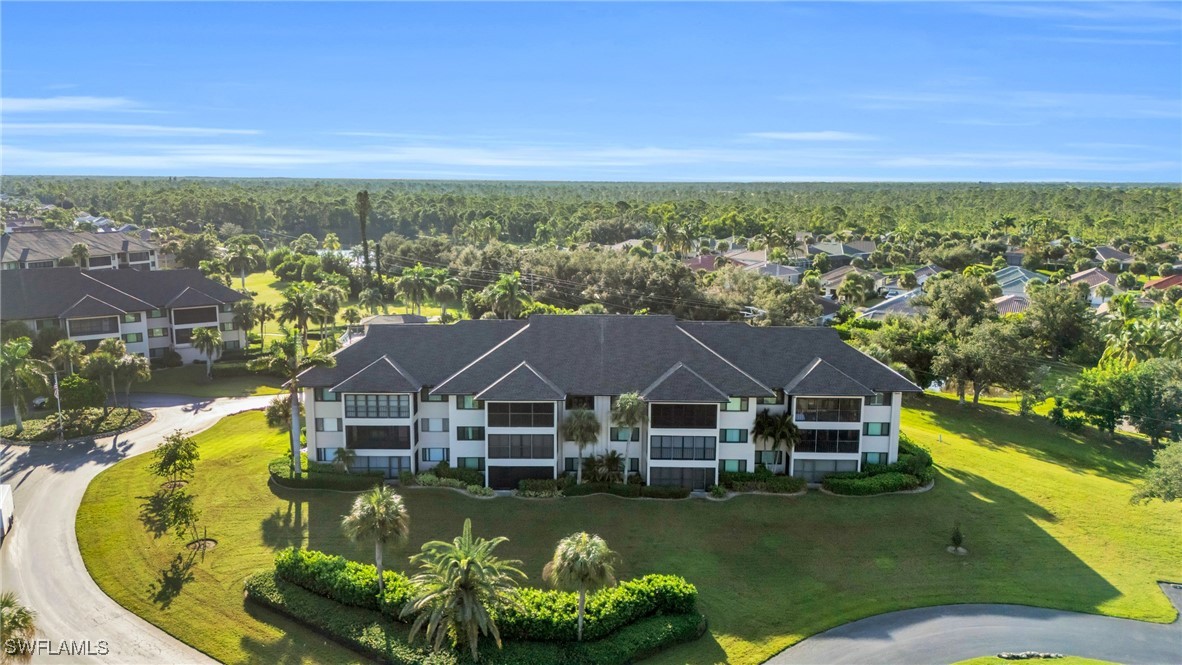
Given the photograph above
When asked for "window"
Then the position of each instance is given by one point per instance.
(157, 314)
(433, 454)
(189, 316)
(732, 435)
(433, 424)
(570, 465)
(618, 434)
(697, 479)
(328, 424)
(876, 429)
(735, 404)
(183, 335)
(101, 326)
(427, 397)
(733, 465)
(326, 395)
(521, 414)
(98, 261)
(874, 458)
(157, 352)
(682, 447)
(157, 332)
(391, 466)
(469, 434)
(369, 436)
(771, 401)
(813, 470)
(684, 416)
(377, 406)
(133, 338)
(769, 457)
(42, 324)
(470, 463)
(39, 264)
(135, 257)
(879, 399)
(520, 446)
(580, 402)
(227, 326)
(227, 308)
(232, 345)
(828, 441)
(468, 403)
(633, 465)
(828, 409)
(131, 318)
(326, 454)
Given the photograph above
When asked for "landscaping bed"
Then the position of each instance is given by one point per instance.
(565, 487)
(912, 471)
(322, 477)
(79, 424)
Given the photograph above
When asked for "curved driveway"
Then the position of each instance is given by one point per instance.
(40, 559)
(950, 633)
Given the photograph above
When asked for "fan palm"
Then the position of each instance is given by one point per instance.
(22, 376)
(507, 296)
(370, 299)
(582, 562)
(67, 353)
(80, 253)
(298, 306)
(263, 313)
(460, 586)
(17, 622)
(286, 359)
(207, 341)
(242, 256)
(415, 285)
(582, 427)
(378, 515)
(778, 431)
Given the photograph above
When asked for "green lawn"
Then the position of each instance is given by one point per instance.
(190, 380)
(270, 290)
(1045, 515)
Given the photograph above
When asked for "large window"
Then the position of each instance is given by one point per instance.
(377, 406)
(102, 326)
(684, 416)
(874, 458)
(326, 395)
(828, 441)
(732, 435)
(328, 424)
(157, 314)
(879, 399)
(580, 402)
(697, 479)
(433, 454)
(520, 446)
(157, 332)
(876, 429)
(136, 257)
(733, 465)
(433, 424)
(813, 470)
(624, 434)
(183, 335)
(769, 457)
(470, 463)
(829, 410)
(391, 466)
(469, 434)
(468, 403)
(195, 315)
(683, 447)
(133, 317)
(133, 338)
(521, 414)
(98, 261)
(735, 404)
(368, 436)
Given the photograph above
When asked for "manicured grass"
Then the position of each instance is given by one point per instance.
(270, 290)
(1066, 660)
(190, 380)
(1045, 515)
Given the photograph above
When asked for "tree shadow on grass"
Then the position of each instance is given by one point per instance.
(172, 580)
(155, 514)
(292, 648)
(284, 528)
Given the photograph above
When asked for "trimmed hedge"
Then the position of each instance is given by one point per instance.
(347, 582)
(319, 479)
(761, 480)
(860, 484)
(618, 489)
(541, 484)
(75, 423)
(629, 645)
(465, 476)
(664, 491)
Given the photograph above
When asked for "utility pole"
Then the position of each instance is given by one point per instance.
(57, 397)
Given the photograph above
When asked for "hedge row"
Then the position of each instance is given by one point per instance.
(761, 480)
(75, 423)
(370, 634)
(629, 490)
(319, 479)
(465, 476)
(347, 582)
(861, 484)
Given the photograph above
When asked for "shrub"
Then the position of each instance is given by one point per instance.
(480, 490)
(453, 483)
(406, 478)
(957, 537)
(427, 479)
(77, 423)
(78, 392)
(225, 370)
(629, 645)
(539, 494)
(718, 491)
(761, 480)
(618, 489)
(314, 478)
(538, 485)
(278, 411)
(347, 582)
(664, 491)
(465, 476)
(863, 484)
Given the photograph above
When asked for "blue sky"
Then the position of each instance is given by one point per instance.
(611, 91)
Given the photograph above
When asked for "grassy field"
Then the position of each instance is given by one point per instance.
(190, 380)
(270, 290)
(1045, 515)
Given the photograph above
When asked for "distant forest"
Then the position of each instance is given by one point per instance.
(564, 213)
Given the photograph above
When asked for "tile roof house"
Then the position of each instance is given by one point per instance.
(1105, 252)
(1164, 282)
(151, 315)
(1094, 278)
(45, 247)
(492, 395)
(1013, 279)
(831, 280)
(900, 305)
(1011, 304)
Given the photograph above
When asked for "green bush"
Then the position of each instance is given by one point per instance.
(718, 491)
(75, 424)
(347, 582)
(480, 490)
(465, 476)
(629, 645)
(427, 479)
(280, 469)
(863, 484)
(538, 485)
(406, 478)
(618, 489)
(761, 480)
(664, 492)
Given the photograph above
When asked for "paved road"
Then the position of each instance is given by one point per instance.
(40, 560)
(947, 634)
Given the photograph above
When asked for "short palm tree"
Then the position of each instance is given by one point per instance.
(459, 587)
(582, 427)
(415, 285)
(131, 369)
(16, 622)
(371, 299)
(507, 296)
(629, 411)
(778, 431)
(298, 306)
(246, 316)
(263, 312)
(447, 293)
(21, 376)
(67, 353)
(207, 341)
(380, 516)
(80, 253)
(344, 458)
(582, 563)
(286, 359)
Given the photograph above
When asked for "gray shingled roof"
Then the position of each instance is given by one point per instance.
(191, 297)
(682, 384)
(522, 383)
(821, 378)
(91, 306)
(51, 244)
(381, 376)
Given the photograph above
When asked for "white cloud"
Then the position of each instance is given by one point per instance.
(110, 129)
(1058, 104)
(65, 103)
(827, 135)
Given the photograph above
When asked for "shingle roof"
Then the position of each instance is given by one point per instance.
(1011, 304)
(682, 384)
(382, 375)
(821, 378)
(1093, 277)
(91, 306)
(1164, 282)
(522, 383)
(50, 244)
(1105, 252)
(191, 297)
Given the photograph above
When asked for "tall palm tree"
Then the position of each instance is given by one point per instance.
(582, 562)
(352, 317)
(371, 299)
(777, 431)
(378, 515)
(67, 353)
(21, 376)
(362, 207)
(242, 256)
(263, 312)
(327, 304)
(80, 253)
(415, 285)
(460, 586)
(287, 360)
(507, 296)
(629, 411)
(582, 427)
(207, 341)
(297, 307)
(131, 369)
(17, 622)
(447, 293)
(246, 316)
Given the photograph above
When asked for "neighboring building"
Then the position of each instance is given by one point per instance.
(900, 305)
(843, 253)
(44, 248)
(1013, 303)
(829, 309)
(704, 262)
(831, 280)
(151, 313)
(893, 288)
(1094, 277)
(787, 274)
(1014, 257)
(1163, 283)
(1105, 252)
(1013, 279)
(353, 333)
(492, 395)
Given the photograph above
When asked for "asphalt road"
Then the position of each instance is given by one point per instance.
(40, 559)
(950, 633)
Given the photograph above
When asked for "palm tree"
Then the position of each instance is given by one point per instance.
(582, 427)
(629, 411)
(21, 376)
(297, 307)
(344, 458)
(242, 256)
(326, 304)
(17, 622)
(371, 299)
(415, 285)
(459, 587)
(363, 209)
(80, 253)
(263, 312)
(101, 365)
(207, 341)
(507, 296)
(132, 369)
(447, 293)
(286, 360)
(378, 515)
(331, 242)
(582, 562)
(66, 353)
(352, 317)
(777, 430)
(246, 316)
